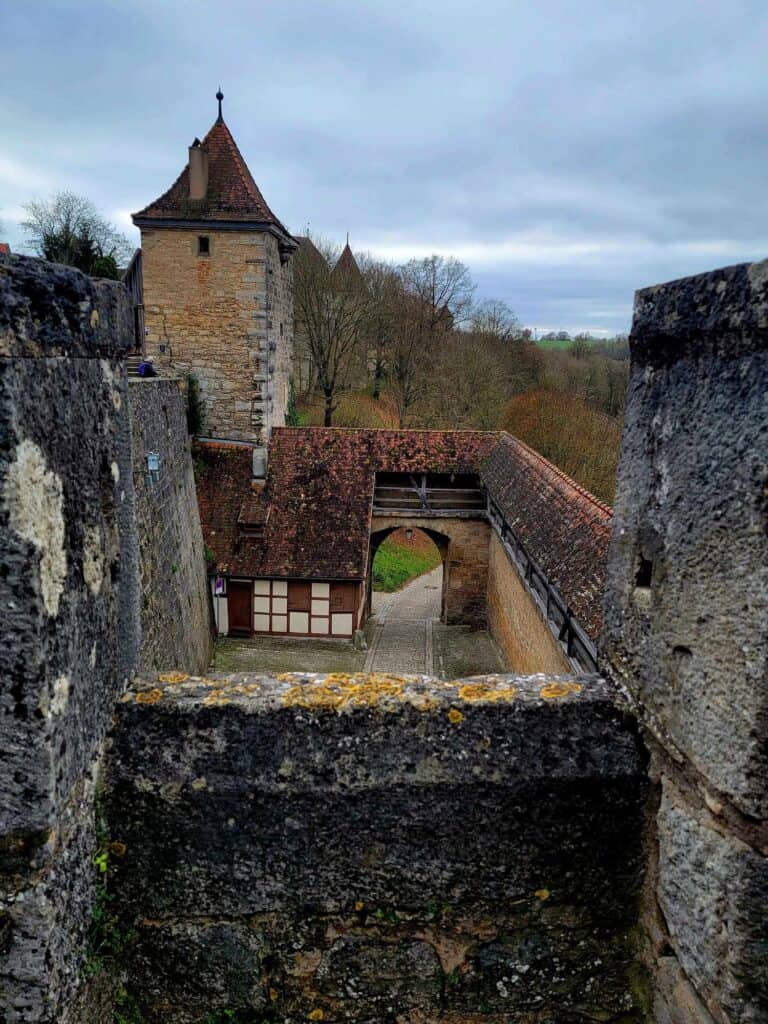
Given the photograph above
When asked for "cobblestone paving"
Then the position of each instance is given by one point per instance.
(404, 635)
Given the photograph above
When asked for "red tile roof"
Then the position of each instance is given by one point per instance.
(563, 527)
(232, 193)
(319, 495)
(5, 249)
(313, 519)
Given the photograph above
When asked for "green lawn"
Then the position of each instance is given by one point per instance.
(394, 566)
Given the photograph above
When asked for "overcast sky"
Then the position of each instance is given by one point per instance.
(569, 152)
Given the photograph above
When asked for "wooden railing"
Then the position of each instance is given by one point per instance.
(419, 499)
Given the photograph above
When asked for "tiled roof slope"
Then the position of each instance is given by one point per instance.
(232, 193)
(223, 473)
(563, 527)
(319, 495)
(313, 519)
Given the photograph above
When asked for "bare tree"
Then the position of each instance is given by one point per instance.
(445, 288)
(468, 383)
(384, 294)
(435, 296)
(496, 319)
(329, 310)
(68, 228)
(409, 364)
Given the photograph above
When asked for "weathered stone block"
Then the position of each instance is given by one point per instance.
(687, 598)
(175, 617)
(214, 964)
(713, 891)
(382, 833)
(675, 1000)
(378, 976)
(69, 596)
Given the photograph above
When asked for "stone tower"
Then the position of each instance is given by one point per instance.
(218, 289)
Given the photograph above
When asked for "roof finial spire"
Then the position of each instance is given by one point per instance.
(220, 97)
(347, 238)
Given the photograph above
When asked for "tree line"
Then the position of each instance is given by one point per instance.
(380, 344)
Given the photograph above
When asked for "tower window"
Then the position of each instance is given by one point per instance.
(203, 245)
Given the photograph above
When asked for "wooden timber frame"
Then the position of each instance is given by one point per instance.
(427, 494)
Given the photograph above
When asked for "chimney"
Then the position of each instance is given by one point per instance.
(198, 171)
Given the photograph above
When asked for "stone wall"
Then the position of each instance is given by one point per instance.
(685, 631)
(175, 604)
(227, 318)
(70, 614)
(279, 328)
(376, 849)
(464, 545)
(515, 622)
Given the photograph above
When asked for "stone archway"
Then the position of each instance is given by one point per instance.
(464, 546)
(441, 542)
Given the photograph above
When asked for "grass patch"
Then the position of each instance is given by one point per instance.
(396, 565)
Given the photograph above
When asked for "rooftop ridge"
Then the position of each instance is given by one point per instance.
(393, 430)
(229, 445)
(538, 457)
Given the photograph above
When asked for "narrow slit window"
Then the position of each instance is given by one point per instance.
(644, 573)
(203, 245)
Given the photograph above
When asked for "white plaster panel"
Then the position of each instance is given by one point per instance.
(261, 604)
(279, 605)
(299, 622)
(261, 586)
(279, 623)
(319, 607)
(261, 623)
(342, 624)
(320, 626)
(222, 615)
(321, 590)
(280, 588)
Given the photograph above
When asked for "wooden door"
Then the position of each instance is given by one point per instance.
(299, 604)
(343, 597)
(240, 608)
(299, 596)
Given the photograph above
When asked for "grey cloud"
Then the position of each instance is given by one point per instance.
(630, 137)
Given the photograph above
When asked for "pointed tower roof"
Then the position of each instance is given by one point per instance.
(347, 264)
(232, 197)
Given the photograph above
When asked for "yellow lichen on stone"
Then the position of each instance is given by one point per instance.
(359, 905)
(554, 690)
(422, 701)
(217, 698)
(118, 848)
(149, 696)
(173, 677)
(316, 1014)
(273, 995)
(340, 689)
(455, 717)
(542, 894)
(471, 692)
